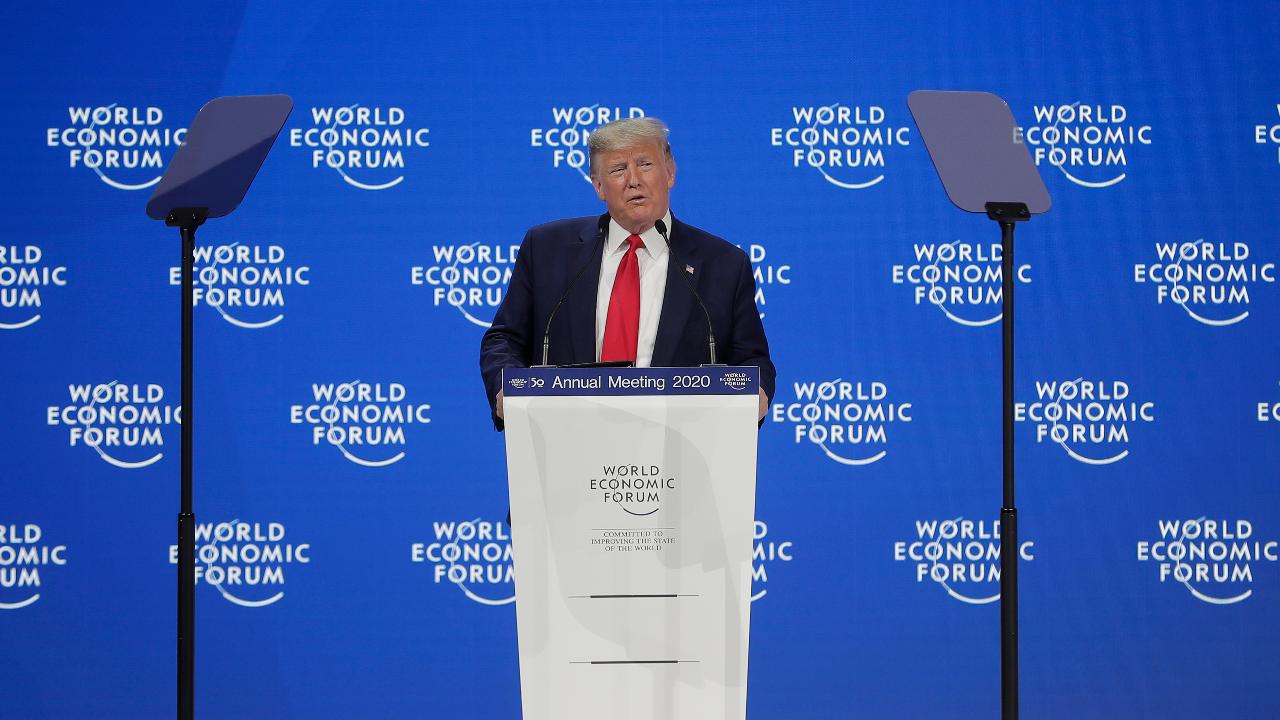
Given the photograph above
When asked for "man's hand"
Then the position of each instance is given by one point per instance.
(497, 404)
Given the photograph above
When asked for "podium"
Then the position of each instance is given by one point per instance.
(632, 518)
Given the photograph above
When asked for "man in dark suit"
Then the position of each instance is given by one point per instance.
(626, 299)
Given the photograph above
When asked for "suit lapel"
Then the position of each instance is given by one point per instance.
(677, 301)
(582, 299)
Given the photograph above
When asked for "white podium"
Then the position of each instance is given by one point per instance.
(632, 506)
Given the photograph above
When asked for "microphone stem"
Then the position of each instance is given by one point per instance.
(711, 333)
(601, 230)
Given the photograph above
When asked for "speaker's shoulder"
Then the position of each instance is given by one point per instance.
(709, 246)
(564, 231)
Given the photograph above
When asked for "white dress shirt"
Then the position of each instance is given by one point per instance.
(652, 259)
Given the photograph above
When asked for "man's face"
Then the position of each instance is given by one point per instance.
(635, 184)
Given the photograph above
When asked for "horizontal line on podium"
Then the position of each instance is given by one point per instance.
(631, 662)
(613, 597)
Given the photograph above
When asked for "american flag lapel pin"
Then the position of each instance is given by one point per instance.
(688, 269)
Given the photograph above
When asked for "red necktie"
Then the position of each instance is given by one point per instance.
(622, 325)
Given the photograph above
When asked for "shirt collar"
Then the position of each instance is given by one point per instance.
(653, 241)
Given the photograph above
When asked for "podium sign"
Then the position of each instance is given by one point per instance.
(632, 506)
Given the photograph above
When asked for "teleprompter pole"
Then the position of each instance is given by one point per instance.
(208, 176)
(1007, 215)
(187, 220)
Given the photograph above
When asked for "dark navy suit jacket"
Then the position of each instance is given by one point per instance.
(552, 254)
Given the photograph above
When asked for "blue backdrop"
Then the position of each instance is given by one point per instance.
(356, 568)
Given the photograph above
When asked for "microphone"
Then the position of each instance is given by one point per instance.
(711, 333)
(602, 228)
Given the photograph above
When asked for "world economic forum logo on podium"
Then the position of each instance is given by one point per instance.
(473, 556)
(1213, 559)
(845, 144)
(125, 146)
(123, 423)
(849, 420)
(959, 555)
(24, 278)
(1091, 145)
(25, 558)
(245, 561)
(1210, 281)
(369, 147)
(361, 418)
(636, 489)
